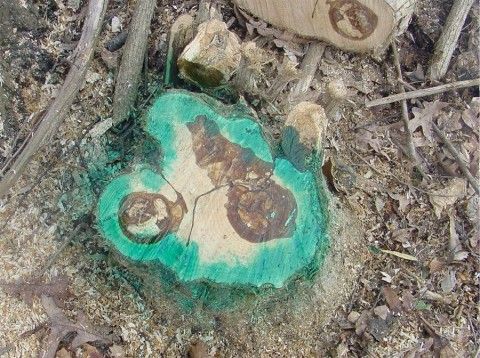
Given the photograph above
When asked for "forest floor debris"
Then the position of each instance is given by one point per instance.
(400, 307)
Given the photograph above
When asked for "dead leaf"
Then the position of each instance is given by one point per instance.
(368, 138)
(198, 350)
(471, 115)
(117, 351)
(435, 265)
(386, 277)
(381, 311)
(408, 300)
(400, 254)
(392, 299)
(418, 75)
(403, 200)
(449, 282)
(63, 353)
(60, 326)
(446, 197)
(27, 289)
(362, 323)
(92, 352)
(423, 117)
(353, 316)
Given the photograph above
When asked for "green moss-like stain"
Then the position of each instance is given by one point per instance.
(272, 262)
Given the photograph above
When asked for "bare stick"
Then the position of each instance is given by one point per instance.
(309, 68)
(447, 42)
(59, 108)
(461, 164)
(129, 73)
(423, 92)
(412, 152)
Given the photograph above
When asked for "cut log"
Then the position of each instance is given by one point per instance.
(218, 208)
(353, 25)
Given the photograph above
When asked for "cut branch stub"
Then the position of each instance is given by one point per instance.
(355, 25)
(212, 56)
(218, 207)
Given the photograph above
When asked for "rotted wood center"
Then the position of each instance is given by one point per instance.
(352, 19)
(258, 208)
(147, 217)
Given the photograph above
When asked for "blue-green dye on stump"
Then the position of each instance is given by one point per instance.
(147, 213)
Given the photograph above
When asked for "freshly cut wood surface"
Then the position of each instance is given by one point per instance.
(218, 207)
(355, 25)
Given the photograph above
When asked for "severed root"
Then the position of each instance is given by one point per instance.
(133, 56)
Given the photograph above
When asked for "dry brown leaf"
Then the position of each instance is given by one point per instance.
(381, 311)
(353, 316)
(92, 352)
(198, 350)
(471, 115)
(449, 282)
(61, 326)
(408, 300)
(446, 197)
(392, 299)
(436, 265)
(368, 138)
(403, 200)
(27, 289)
(117, 351)
(63, 353)
(423, 117)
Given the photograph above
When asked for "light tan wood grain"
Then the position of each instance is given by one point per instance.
(354, 25)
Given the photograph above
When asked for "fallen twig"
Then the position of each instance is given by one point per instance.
(423, 92)
(448, 40)
(129, 73)
(58, 109)
(461, 164)
(412, 152)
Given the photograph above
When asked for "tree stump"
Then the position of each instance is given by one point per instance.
(217, 207)
(353, 25)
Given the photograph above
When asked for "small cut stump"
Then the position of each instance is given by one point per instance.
(217, 207)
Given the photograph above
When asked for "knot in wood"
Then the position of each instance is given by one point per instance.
(352, 20)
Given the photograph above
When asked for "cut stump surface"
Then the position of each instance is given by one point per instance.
(218, 207)
(353, 25)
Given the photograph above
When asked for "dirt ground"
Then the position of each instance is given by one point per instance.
(417, 289)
